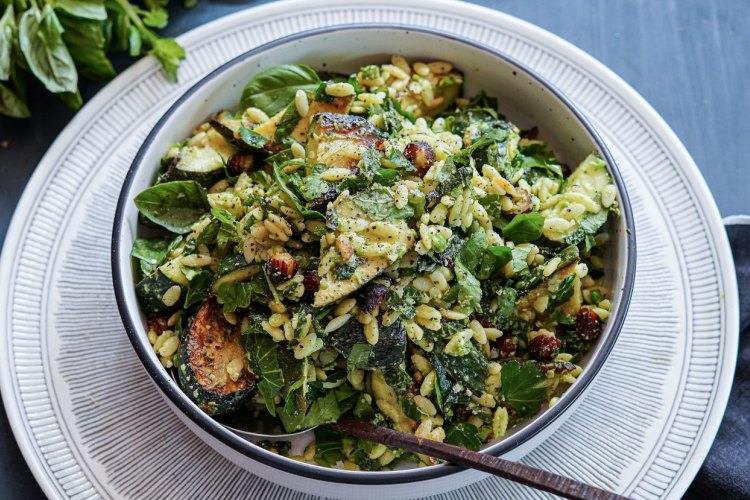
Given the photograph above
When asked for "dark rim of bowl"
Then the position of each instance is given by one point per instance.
(180, 400)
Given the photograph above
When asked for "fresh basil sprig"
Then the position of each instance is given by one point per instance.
(60, 41)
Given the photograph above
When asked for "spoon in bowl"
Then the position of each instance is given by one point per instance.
(539, 479)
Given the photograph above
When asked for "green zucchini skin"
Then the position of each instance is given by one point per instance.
(150, 291)
(210, 343)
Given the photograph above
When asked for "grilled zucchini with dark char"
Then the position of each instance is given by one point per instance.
(212, 367)
(339, 140)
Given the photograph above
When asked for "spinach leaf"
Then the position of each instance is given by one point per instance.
(284, 182)
(543, 162)
(274, 88)
(175, 205)
(252, 139)
(473, 249)
(396, 159)
(386, 176)
(150, 252)
(491, 204)
(467, 291)
(587, 229)
(463, 434)
(329, 446)
(378, 204)
(521, 387)
(359, 356)
(40, 36)
(323, 410)
(493, 260)
(263, 357)
(310, 185)
(524, 227)
(199, 287)
(240, 295)
(562, 293)
(518, 259)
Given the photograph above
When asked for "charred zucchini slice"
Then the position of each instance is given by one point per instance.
(213, 369)
(155, 294)
(339, 140)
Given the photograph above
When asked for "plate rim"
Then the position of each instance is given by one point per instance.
(656, 125)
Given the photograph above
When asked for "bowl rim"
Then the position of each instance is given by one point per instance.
(133, 326)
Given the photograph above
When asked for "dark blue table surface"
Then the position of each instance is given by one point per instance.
(688, 58)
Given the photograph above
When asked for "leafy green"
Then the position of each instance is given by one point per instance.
(175, 205)
(469, 369)
(359, 356)
(522, 388)
(235, 296)
(288, 121)
(252, 139)
(84, 9)
(493, 260)
(587, 229)
(150, 252)
(403, 305)
(310, 186)
(346, 270)
(473, 249)
(199, 287)
(87, 44)
(264, 362)
(12, 104)
(467, 291)
(47, 56)
(169, 53)
(274, 88)
(518, 259)
(491, 204)
(386, 176)
(7, 35)
(284, 182)
(323, 410)
(378, 204)
(463, 434)
(389, 351)
(524, 227)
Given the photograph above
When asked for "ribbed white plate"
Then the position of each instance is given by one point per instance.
(89, 421)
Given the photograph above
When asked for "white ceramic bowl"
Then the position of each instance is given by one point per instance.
(525, 99)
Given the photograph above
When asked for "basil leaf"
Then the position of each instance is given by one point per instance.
(235, 296)
(200, 285)
(252, 139)
(157, 17)
(470, 369)
(87, 44)
(40, 36)
(262, 354)
(7, 31)
(169, 53)
(378, 204)
(518, 259)
(288, 121)
(386, 176)
(274, 88)
(150, 253)
(467, 292)
(84, 9)
(473, 249)
(11, 104)
(175, 205)
(521, 387)
(283, 182)
(524, 227)
(493, 260)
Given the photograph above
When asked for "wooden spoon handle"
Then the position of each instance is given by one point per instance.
(514, 471)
